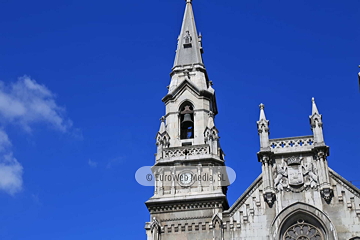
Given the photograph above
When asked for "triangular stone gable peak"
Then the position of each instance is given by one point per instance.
(186, 84)
(180, 90)
(216, 219)
(155, 224)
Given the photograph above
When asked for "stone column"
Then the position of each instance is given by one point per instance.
(326, 190)
(269, 192)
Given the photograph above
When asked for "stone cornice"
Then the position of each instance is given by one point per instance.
(209, 201)
(185, 218)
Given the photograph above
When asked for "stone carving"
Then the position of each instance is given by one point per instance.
(293, 174)
(327, 194)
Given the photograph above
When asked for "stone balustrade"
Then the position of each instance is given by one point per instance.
(293, 144)
(186, 151)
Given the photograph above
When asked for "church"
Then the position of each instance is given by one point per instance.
(297, 195)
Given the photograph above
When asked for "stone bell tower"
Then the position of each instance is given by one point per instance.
(188, 158)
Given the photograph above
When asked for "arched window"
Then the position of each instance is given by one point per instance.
(186, 121)
(302, 230)
(302, 226)
(302, 221)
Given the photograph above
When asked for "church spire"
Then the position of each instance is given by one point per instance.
(314, 107)
(263, 129)
(189, 48)
(262, 112)
(316, 124)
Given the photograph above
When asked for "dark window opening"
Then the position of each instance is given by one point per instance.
(187, 122)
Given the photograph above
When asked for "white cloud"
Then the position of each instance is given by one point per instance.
(10, 169)
(24, 103)
(92, 164)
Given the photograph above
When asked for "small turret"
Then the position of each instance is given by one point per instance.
(162, 139)
(211, 137)
(263, 129)
(316, 125)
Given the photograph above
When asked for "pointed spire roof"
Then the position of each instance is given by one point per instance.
(162, 125)
(189, 48)
(314, 108)
(211, 123)
(262, 112)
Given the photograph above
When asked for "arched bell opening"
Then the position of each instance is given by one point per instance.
(186, 121)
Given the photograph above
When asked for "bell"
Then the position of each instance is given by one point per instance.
(187, 119)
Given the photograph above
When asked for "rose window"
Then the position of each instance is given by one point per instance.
(303, 231)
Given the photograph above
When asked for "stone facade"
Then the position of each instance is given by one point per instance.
(297, 196)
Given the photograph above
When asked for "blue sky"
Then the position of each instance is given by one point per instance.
(81, 88)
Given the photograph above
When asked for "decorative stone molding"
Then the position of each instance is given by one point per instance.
(185, 218)
(186, 151)
(187, 227)
(185, 206)
(293, 144)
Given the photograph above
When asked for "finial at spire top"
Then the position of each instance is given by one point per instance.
(162, 125)
(188, 1)
(314, 107)
(262, 112)
(211, 123)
